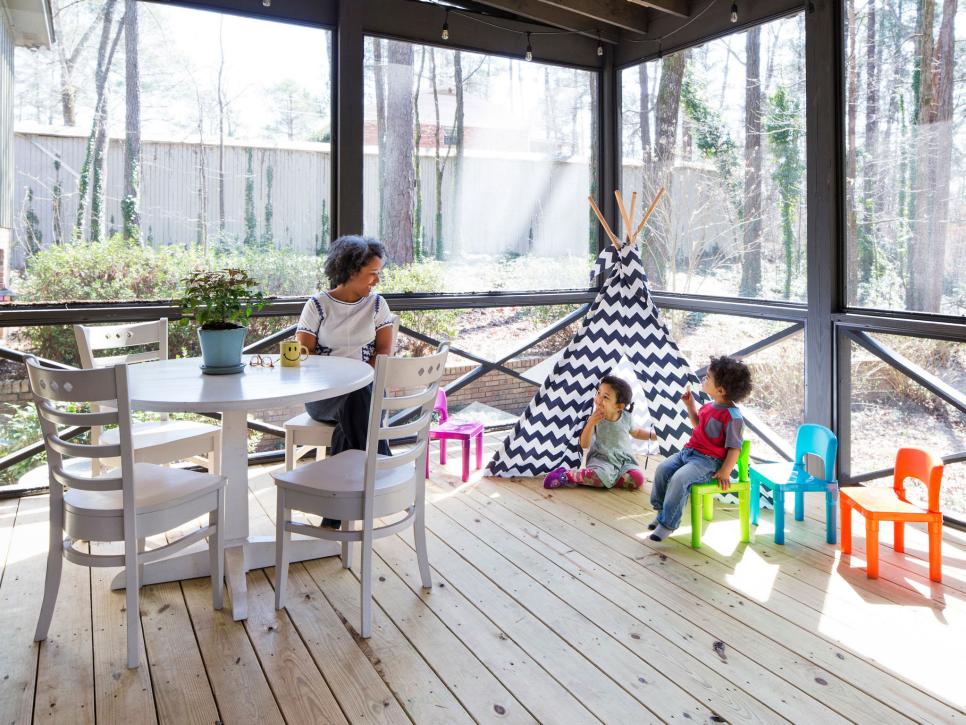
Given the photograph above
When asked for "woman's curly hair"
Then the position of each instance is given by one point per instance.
(732, 375)
(348, 254)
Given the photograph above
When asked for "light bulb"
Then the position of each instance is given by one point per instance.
(529, 54)
(267, 3)
(445, 31)
(600, 49)
(734, 12)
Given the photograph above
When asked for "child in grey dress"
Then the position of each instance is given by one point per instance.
(608, 433)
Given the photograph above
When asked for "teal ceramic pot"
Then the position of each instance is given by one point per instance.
(222, 348)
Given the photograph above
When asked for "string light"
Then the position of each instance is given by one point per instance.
(445, 34)
(734, 12)
(600, 47)
(267, 3)
(529, 55)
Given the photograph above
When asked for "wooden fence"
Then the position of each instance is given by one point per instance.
(522, 203)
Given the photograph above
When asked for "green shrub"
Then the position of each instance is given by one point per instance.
(421, 277)
(19, 428)
(115, 269)
(544, 316)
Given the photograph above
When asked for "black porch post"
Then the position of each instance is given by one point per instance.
(609, 144)
(825, 139)
(347, 120)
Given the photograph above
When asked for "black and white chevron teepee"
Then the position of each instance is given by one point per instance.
(622, 323)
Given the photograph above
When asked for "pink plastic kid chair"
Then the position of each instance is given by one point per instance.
(447, 430)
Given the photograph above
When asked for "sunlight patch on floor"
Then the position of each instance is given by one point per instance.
(31, 541)
(754, 576)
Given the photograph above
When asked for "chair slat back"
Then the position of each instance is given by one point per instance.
(817, 440)
(441, 406)
(923, 465)
(402, 402)
(395, 335)
(112, 337)
(52, 390)
(394, 374)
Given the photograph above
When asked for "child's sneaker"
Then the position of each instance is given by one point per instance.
(653, 525)
(556, 478)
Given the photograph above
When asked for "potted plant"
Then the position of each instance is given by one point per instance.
(221, 302)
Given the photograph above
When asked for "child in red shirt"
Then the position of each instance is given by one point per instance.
(711, 452)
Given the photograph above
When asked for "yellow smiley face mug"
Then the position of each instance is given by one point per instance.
(291, 353)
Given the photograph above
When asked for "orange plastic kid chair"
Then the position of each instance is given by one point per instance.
(885, 504)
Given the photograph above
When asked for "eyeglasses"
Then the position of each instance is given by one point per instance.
(262, 361)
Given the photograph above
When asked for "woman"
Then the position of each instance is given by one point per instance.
(348, 320)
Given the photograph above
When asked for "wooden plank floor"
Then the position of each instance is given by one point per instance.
(546, 607)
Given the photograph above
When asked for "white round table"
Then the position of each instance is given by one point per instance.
(179, 386)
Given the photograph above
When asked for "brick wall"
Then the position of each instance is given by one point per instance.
(495, 389)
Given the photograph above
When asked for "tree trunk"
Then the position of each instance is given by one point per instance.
(132, 125)
(595, 232)
(398, 205)
(656, 260)
(251, 223)
(934, 269)
(418, 250)
(57, 206)
(458, 124)
(438, 162)
(852, 101)
(268, 235)
(923, 291)
(221, 131)
(379, 74)
(201, 236)
(91, 176)
(644, 114)
(751, 249)
(68, 61)
(868, 254)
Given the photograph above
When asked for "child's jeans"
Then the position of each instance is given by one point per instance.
(673, 480)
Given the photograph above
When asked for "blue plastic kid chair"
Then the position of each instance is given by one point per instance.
(782, 478)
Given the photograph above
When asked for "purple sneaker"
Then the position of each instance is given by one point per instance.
(556, 478)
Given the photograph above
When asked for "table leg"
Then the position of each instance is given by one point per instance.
(242, 552)
(234, 467)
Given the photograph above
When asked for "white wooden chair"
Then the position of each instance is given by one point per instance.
(163, 441)
(126, 505)
(304, 434)
(361, 485)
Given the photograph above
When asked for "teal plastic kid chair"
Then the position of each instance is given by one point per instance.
(702, 499)
(782, 478)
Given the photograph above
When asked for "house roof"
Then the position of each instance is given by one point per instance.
(31, 21)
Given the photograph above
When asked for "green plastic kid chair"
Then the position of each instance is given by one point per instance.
(702, 500)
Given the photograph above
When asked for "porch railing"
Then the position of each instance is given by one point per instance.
(794, 313)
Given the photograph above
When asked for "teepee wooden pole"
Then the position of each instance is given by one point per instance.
(650, 210)
(603, 222)
(628, 222)
(631, 212)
